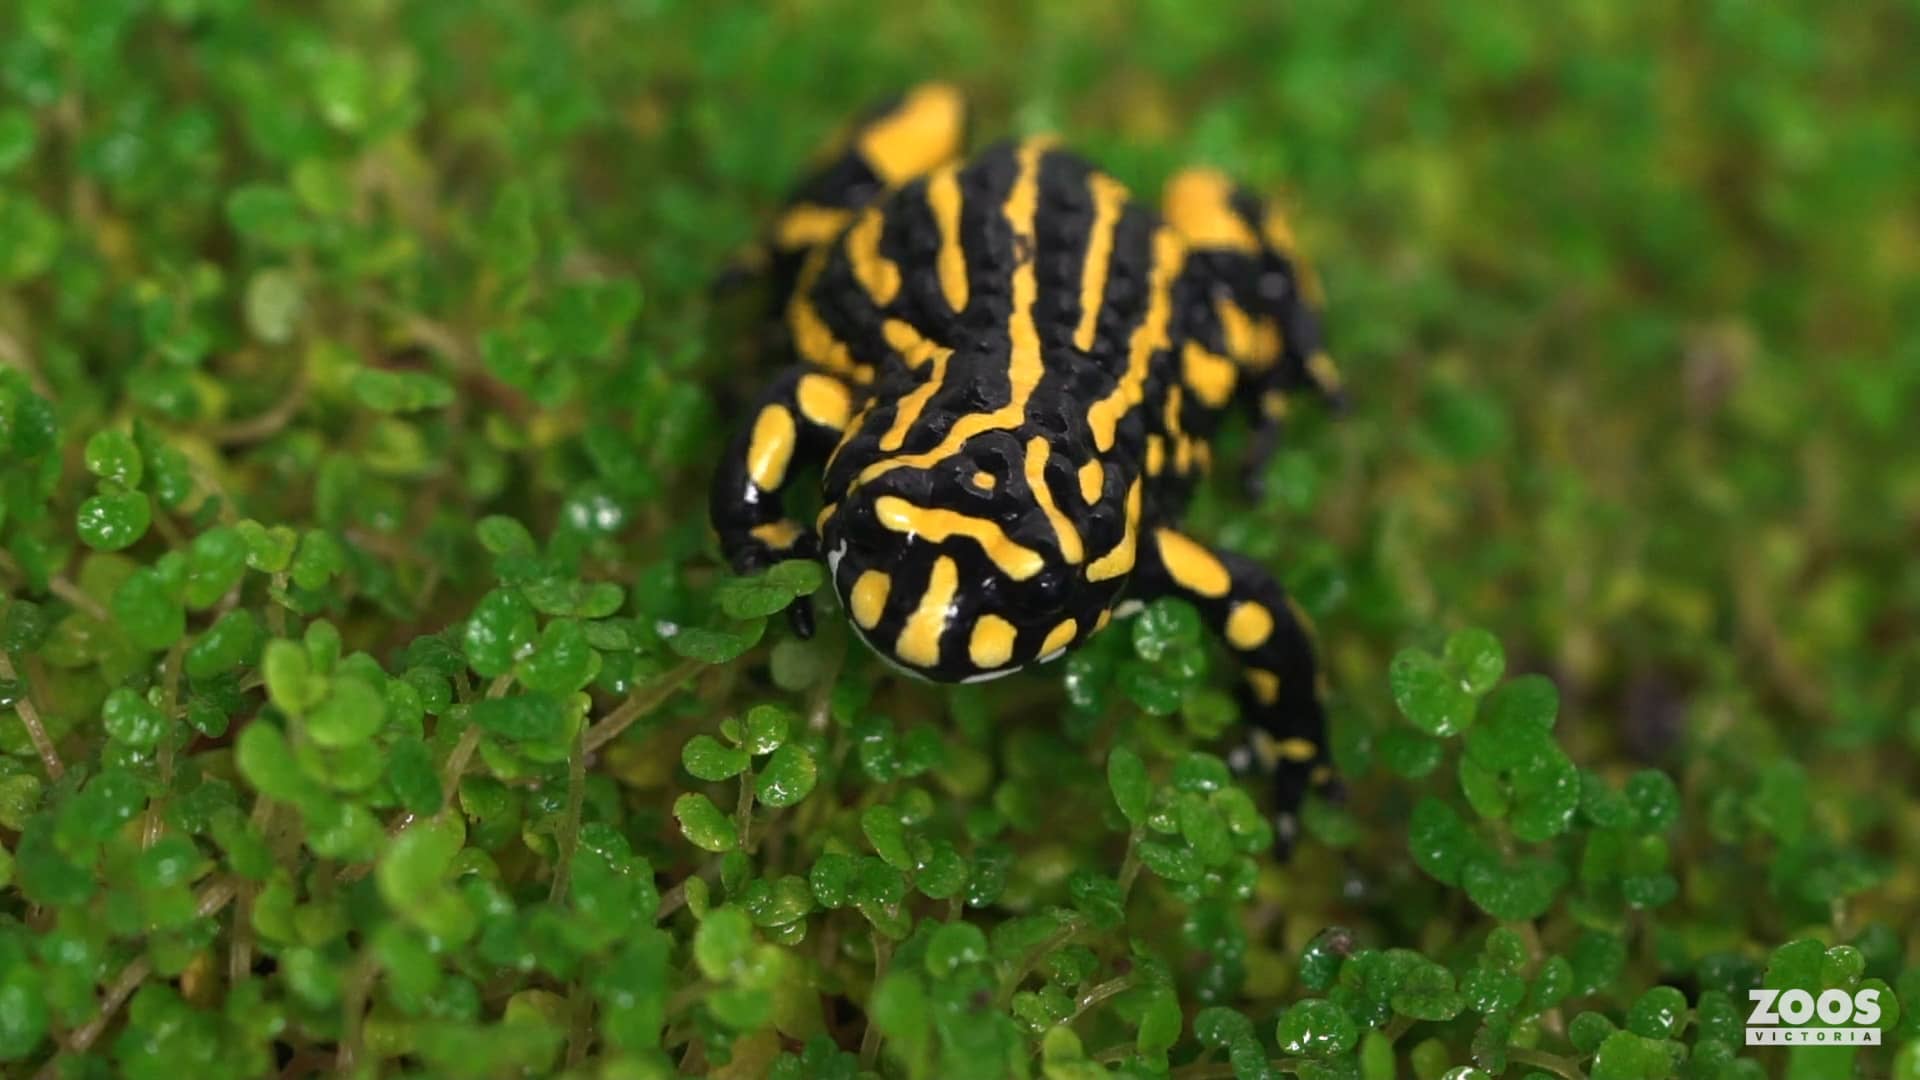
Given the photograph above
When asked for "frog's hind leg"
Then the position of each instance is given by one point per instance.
(1280, 695)
(1257, 302)
(893, 142)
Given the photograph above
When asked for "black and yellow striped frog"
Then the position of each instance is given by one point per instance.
(1010, 370)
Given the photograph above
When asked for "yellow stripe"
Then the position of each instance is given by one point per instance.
(770, 448)
(943, 198)
(811, 337)
(1151, 334)
(1120, 559)
(1109, 196)
(869, 597)
(824, 400)
(1296, 749)
(1023, 202)
(1324, 373)
(1070, 548)
(804, 225)
(1024, 367)
(1059, 637)
(1197, 203)
(1251, 342)
(1093, 477)
(1266, 686)
(914, 403)
(1208, 374)
(1191, 566)
(1249, 625)
(991, 644)
(875, 272)
(777, 535)
(905, 340)
(919, 641)
(1014, 560)
(923, 131)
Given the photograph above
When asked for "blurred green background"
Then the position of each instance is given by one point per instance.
(1628, 297)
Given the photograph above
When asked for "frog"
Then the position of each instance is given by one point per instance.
(1009, 371)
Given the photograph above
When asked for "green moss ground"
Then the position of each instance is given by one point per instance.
(373, 699)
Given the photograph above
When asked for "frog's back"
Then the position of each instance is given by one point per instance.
(1024, 253)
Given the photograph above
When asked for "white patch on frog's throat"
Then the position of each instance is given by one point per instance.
(1127, 609)
(989, 676)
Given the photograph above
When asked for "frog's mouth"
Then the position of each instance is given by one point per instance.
(881, 649)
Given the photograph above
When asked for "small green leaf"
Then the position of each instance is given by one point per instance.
(349, 715)
(500, 630)
(269, 550)
(531, 717)
(704, 825)
(1588, 1030)
(112, 455)
(401, 391)
(215, 564)
(881, 824)
(1522, 889)
(1659, 1013)
(1476, 655)
(1428, 695)
(1408, 753)
(1317, 1028)
(273, 305)
(1530, 701)
(722, 942)
(231, 641)
(787, 778)
(132, 720)
(1426, 992)
(1655, 800)
(563, 662)
(1127, 779)
(268, 215)
(113, 520)
(717, 646)
(1627, 1056)
(765, 729)
(1159, 1028)
(707, 759)
(954, 946)
(752, 597)
(799, 577)
(1165, 625)
(505, 536)
(148, 612)
(290, 680)
(411, 770)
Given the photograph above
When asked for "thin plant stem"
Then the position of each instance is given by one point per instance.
(30, 719)
(644, 701)
(210, 902)
(569, 839)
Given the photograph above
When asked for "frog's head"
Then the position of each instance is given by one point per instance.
(969, 565)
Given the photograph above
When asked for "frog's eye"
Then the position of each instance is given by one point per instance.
(1050, 587)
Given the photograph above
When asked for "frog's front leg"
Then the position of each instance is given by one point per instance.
(798, 421)
(1280, 694)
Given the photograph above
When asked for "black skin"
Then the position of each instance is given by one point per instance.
(880, 379)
